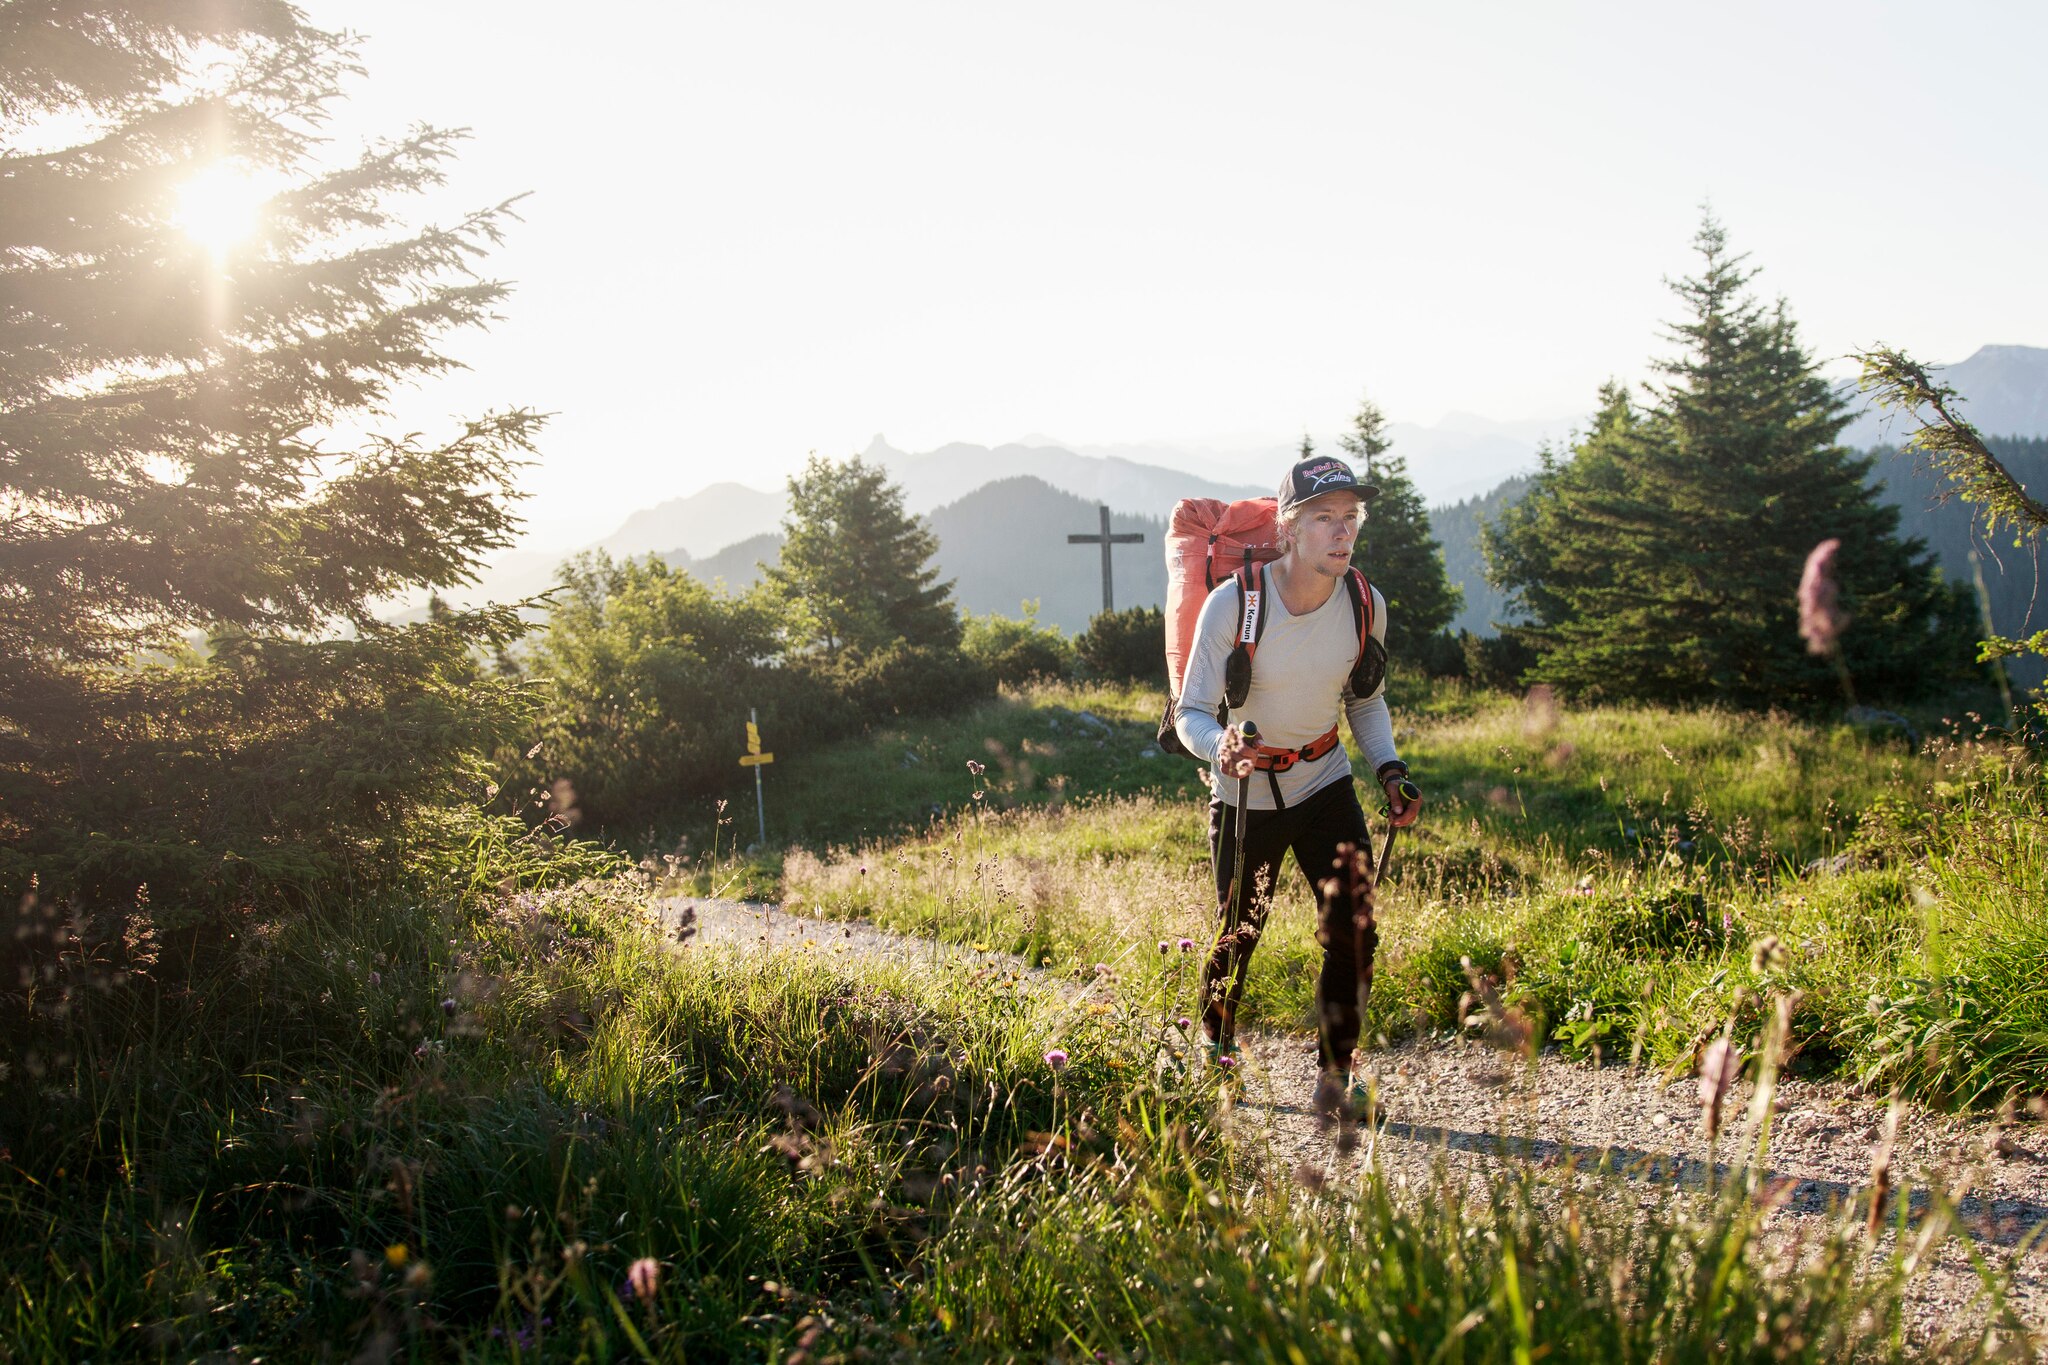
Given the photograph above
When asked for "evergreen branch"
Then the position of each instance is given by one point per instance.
(1953, 446)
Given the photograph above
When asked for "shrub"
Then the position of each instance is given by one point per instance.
(653, 675)
(1128, 644)
(1441, 655)
(271, 773)
(1497, 661)
(905, 680)
(1018, 651)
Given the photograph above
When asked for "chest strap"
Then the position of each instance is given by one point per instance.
(1280, 760)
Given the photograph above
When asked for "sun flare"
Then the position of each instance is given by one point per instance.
(219, 207)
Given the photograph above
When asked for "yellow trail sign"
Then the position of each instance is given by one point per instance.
(753, 738)
(756, 760)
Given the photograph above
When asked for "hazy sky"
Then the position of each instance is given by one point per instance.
(758, 230)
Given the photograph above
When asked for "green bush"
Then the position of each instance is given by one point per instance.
(651, 677)
(1018, 651)
(272, 772)
(1497, 661)
(1129, 645)
(1441, 655)
(905, 680)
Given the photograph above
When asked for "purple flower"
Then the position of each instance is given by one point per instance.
(448, 1005)
(1821, 618)
(376, 978)
(1187, 945)
(1183, 1023)
(1163, 947)
(643, 1277)
(1056, 1059)
(1226, 1061)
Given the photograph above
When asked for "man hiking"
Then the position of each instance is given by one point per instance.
(1314, 653)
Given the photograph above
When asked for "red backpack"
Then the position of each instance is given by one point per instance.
(1207, 541)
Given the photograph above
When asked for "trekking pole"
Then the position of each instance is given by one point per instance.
(1234, 912)
(1360, 957)
(1410, 793)
(1250, 732)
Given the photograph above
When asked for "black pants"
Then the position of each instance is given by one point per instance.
(1334, 850)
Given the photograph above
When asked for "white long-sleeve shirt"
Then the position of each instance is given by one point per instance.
(1300, 676)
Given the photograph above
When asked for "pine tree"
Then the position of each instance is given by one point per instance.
(856, 566)
(1396, 549)
(1659, 561)
(167, 404)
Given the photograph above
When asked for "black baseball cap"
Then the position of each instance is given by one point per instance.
(1317, 475)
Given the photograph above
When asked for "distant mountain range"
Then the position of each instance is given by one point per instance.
(1003, 544)
(1002, 514)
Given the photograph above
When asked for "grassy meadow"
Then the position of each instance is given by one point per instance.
(1632, 876)
(515, 1116)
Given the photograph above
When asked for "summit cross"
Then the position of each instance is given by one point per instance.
(1105, 540)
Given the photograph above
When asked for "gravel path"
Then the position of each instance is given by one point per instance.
(1461, 1101)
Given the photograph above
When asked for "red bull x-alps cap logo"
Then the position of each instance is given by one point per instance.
(1329, 472)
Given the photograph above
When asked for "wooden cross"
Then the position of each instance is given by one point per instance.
(1105, 540)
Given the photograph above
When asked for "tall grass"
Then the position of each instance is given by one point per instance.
(541, 1126)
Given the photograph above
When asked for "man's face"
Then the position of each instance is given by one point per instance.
(1326, 530)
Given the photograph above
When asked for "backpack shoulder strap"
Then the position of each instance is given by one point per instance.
(1251, 607)
(1361, 606)
(1251, 623)
(1369, 670)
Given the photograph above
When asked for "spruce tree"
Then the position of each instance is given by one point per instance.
(168, 404)
(1659, 561)
(1396, 548)
(856, 567)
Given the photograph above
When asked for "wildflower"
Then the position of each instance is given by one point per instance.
(1183, 1023)
(1718, 1065)
(1056, 1059)
(643, 1277)
(1821, 618)
(1768, 955)
(976, 767)
(1163, 947)
(1102, 969)
(1187, 945)
(448, 1005)
(376, 978)
(395, 1254)
(1226, 1061)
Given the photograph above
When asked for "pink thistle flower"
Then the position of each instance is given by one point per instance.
(643, 1277)
(1718, 1065)
(1226, 1061)
(1821, 619)
(1183, 1023)
(1056, 1059)
(1164, 947)
(1187, 945)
